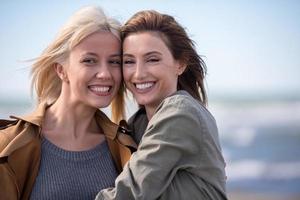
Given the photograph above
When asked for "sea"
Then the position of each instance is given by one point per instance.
(260, 141)
(261, 146)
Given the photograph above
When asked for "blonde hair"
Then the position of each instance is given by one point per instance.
(84, 22)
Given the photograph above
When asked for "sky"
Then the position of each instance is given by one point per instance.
(250, 47)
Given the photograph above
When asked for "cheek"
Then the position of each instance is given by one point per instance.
(78, 78)
(126, 74)
(75, 73)
(117, 75)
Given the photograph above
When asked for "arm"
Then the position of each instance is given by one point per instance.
(172, 133)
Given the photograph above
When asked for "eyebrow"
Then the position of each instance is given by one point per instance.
(152, 52)
(94, 54)
(146, 54)
(116, 55)
(89, 53)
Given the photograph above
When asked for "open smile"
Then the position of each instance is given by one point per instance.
(144, 87)
(100, 90)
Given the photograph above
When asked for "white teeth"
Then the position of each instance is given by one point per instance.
(143, 86)
(99, 88)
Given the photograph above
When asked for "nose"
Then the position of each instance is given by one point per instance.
(140, 71)
(103, 72)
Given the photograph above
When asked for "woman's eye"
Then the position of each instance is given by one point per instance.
(128, 62)
(115, 62)
(152, 60)
(89, 61)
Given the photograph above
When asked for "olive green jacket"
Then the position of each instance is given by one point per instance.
(20, 151)
(179, 156)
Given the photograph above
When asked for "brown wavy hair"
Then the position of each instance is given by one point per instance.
(179, 44)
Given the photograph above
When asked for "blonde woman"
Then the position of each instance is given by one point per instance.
(67, 148)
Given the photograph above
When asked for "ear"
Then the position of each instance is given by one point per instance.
(181, 68)
(61, 72)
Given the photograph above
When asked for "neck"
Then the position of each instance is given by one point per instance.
(70, 119)
(150, 111)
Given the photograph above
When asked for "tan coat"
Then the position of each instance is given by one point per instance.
(20, 151)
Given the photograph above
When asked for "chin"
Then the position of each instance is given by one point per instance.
(98, 105)
(103, 106)
(143, 102)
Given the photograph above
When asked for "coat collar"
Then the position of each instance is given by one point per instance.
(112, 131)
(37, 117)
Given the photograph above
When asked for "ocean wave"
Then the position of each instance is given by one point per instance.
(254, 169)
(256, 115)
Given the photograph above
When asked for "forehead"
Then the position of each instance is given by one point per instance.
(104, 40)
(144, 42)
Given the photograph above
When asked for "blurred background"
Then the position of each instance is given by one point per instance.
(251, 49)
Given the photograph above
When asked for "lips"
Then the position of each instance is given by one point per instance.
(144, 87)
(100, 89)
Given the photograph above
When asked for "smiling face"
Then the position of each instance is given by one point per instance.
(93, 70)
(149, 69)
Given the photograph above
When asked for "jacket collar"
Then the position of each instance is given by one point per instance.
(37, 117)
(110, 129)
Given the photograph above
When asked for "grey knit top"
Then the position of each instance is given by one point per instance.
(73, 174)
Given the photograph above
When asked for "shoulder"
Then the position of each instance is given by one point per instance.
(4, 123)
(179, 122)
(181, 115)
(15, 133)
(9, 129)
(175, 112)
(182, 104)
